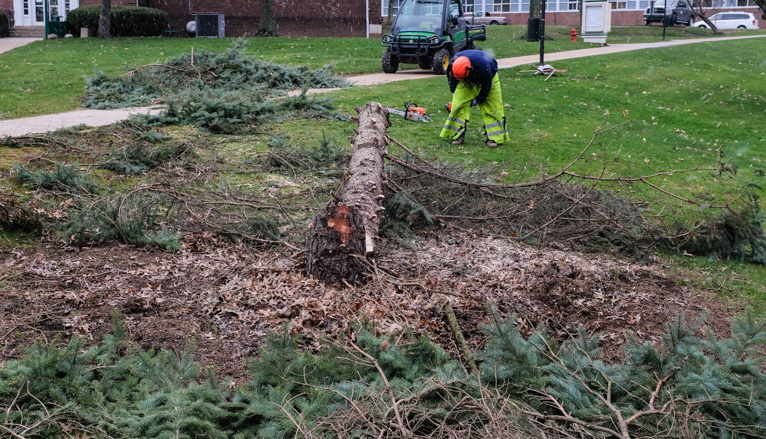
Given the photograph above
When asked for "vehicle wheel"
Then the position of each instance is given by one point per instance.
(691, 22)
(441, 61)
(673, 19)
(425, 64)
(741, 27)
(493, 22)
(703, 26)
(647, 22)
(389, 62)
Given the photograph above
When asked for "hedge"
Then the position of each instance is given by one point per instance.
(4, 30)
(127, 21)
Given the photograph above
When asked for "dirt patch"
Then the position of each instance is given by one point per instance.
(227, 296)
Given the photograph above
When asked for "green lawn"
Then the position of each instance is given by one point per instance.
(49, 76)
(666, 109)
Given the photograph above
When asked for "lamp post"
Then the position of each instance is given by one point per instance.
(45, 18)
(664, 19)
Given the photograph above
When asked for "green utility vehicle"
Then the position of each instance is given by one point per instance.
(428, 33)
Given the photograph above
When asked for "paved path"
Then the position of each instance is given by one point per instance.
(42, 124)
(7, 44)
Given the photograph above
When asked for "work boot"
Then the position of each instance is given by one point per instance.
(459, 140)
(491, 143)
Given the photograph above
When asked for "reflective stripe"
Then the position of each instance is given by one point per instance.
(494, 125)
(451, 128)
(455, 119)
(497, 133)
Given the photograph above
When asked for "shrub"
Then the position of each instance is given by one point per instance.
(4, 30)
(127, 21)
(132, 21)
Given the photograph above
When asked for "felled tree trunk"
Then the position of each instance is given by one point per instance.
(344, 233)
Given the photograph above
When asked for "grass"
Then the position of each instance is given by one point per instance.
(48, 77)
(678, 108)
(666, 109)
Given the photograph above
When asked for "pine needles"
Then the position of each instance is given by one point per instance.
(224, 92)
(403, 387)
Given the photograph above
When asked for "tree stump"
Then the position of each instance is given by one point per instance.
(344, 233)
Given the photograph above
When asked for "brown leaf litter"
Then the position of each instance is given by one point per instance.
(228, 296)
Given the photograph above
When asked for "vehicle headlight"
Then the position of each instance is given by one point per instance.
(388, 38)
(433, 40)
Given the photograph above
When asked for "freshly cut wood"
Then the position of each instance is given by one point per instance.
(344, 233)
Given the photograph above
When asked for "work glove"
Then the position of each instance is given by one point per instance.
(474, 103)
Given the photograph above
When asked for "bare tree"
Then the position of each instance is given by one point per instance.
(105, 19)
(390, 13)
(762, 4)
(698, 6)
(267, 27)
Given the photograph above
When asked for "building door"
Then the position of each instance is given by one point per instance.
(57, 10)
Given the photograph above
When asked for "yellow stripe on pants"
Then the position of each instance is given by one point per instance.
(491, 109)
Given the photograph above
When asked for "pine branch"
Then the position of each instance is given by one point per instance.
(406, 433)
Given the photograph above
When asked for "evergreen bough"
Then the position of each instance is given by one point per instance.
(692, 385)
(223, 92)
(712, 387)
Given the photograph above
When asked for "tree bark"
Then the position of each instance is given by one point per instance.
(344, 233)
(267, 26)
(105, 19)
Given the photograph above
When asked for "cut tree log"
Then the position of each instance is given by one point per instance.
(344, 233)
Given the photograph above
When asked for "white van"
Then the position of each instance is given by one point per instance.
(731, 20)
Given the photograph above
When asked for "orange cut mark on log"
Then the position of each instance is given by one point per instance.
(340, 223)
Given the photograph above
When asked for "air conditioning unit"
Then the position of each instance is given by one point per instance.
(210, 25)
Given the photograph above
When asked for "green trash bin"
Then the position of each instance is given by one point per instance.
(56, 26)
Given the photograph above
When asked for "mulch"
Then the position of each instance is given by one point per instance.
(228, 296)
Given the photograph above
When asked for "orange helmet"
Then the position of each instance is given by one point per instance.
(460, 67)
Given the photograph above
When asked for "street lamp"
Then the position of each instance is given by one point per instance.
(45, 17)
(664, 19)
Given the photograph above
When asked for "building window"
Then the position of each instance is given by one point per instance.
(619, 5)
(574, 5)
(26, 7)
(501, 6)
(384, 7)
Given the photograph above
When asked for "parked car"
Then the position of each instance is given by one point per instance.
(732, 20)
(486, 18)
(678, 13)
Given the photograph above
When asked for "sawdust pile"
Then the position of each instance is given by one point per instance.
(228, 297)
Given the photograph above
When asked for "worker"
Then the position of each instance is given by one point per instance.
(473, 80)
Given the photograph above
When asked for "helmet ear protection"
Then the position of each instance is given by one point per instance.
(461, 67)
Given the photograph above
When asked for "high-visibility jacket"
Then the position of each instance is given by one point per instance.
(476, 90)
(483, 69)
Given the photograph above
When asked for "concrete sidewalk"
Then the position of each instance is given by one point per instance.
(7, 44)
(43, 124)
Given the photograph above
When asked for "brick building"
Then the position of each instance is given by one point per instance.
(345, 18)
(331, 18)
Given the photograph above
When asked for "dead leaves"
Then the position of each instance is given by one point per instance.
(227, 296)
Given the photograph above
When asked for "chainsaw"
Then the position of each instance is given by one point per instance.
(412, 112)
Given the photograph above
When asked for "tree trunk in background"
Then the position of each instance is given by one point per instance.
(105, 19)
(762, 6)
(535, 11)
(344, 233)
(535, 7)
(267, 27)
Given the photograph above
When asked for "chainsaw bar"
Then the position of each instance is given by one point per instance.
(413, 112)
